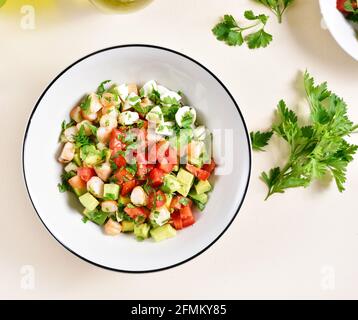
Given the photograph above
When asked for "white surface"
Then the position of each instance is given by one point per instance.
(340, 28)
(302, 244)
(135, 64)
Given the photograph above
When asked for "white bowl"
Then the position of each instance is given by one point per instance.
(341, 29)
(60, 213)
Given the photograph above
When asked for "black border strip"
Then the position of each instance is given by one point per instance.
(140, 46)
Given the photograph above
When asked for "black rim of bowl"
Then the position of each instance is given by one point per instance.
(158, 48)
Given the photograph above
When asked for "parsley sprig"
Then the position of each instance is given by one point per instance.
(317, 149)
(81, 139)
(278, 7)
(259, 139)
(229, 31)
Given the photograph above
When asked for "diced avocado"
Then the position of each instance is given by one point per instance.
(202, 186)
(124, 200)
(89, 201)
(77, 159)
(92, 159)
(199, 205)
(71, 167)
(170, 184)
(164, 232)
(202, 198)
(90, 155)
(96, 216)
(141, 231)
(111, 191)
(169, 198)
(186, 179)
(127, 226)
(79, 191)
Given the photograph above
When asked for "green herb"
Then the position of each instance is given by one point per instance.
(130, 206)
(140, 124)
(155, 96)
(81, 138)
(85, 104)
(169, 112)
(259, 140)
(187, 119)
(317, 149)
(113, 179)
(123, 216)
(101, 89)
(278, 7)
(65, 125)
(147, 188)
(141, 109)
(113, 166)
(109, 196)
(229, 31)
(348, 6)
(93, 129)
(132, 168)
(64, 186)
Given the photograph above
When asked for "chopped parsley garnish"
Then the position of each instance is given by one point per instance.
(81, 139)
(101, 88)
(64, 186)
(85, 104)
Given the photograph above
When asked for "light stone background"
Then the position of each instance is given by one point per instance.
(303, 244)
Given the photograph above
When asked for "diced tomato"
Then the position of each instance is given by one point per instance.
(176, 220)
(177, 203)
(122, 175)
(166, 167)
(86, 173)
(156, 177)
(340, 5)
(77, 183)
(185, 212)
(197, 172)
(118, 158)
(116, 141)
(160, 199)
(135, 212)
(162, 153)
(127, 187)
(188, 221)
(209, 167)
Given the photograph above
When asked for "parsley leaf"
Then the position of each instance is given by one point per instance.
(317, 149)
(85, 104)
(187, 119)
(229, 31)
(101, 88)
(132, 168)
(64, 186)
(278, 7)
(81, 139)
(259, 140)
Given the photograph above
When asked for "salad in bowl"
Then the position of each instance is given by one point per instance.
(136, 159)
(340, 17)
